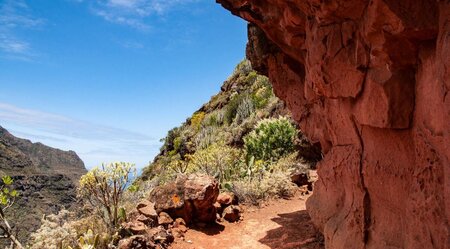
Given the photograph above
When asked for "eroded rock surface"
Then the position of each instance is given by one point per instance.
(369, 80)
(189, 197)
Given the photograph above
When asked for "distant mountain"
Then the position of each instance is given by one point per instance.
(45, 177)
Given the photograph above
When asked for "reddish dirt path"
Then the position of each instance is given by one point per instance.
(280, 224)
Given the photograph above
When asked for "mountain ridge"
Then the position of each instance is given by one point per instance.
(45, 177)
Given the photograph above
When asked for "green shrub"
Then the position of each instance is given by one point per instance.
(271, 139)
(231, 109)
(7, 198)
(269, 185)
(217, 160)
(207, 136)
(244, 67)
(244, 110)
(197, 120)
(214, 118)
(177, 165)
(263, 93)
(251, 77)
(169, 139)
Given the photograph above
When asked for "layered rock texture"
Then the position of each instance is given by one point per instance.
(45, 177)
(369, 80)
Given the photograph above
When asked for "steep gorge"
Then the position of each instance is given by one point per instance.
(369, 81)
(45, 177)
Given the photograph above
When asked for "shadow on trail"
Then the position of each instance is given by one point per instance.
(209, 229)
(296, 232)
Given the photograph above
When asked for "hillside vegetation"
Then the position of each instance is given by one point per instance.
(243, 136)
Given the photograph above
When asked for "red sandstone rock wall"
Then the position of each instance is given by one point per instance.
(370, 81)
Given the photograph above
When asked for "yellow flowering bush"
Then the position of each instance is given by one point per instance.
(104, 186)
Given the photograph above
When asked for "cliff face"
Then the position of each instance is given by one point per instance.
(369, 80)
(45, 177)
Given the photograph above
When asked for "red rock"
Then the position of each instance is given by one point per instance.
(144, 219)
(164, 219)
(135, 227)
(189, 197)
(160, 235)
(177, 233)
(137, 242)
(219, 209)
(179, 222)
(147, 208)
(227, 198)
(369, 81)
(232, 213)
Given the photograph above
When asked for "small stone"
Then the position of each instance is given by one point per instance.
(177, 233)
(162, 237)
(164, 219)
(147, 208)
(142, 218)
(182, 228)
(179, 222)
(227, 198)
(136, 241)
(219, 208)
(232, 213)
(135, 227)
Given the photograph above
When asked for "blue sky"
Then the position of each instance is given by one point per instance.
(108, 78)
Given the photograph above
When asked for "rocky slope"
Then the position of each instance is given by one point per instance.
(244, 99)
(369, 80)
(45, 177)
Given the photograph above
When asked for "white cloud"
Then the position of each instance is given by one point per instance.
(133, 13)
(13, 46)
(94, 143)
(62, 125)
(16, 15)
(122, 20)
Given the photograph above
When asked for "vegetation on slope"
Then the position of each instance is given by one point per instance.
(241, 136)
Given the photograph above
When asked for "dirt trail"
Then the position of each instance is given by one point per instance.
(280, 224)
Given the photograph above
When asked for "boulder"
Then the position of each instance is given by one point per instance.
(232, 213)
(189, 197)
